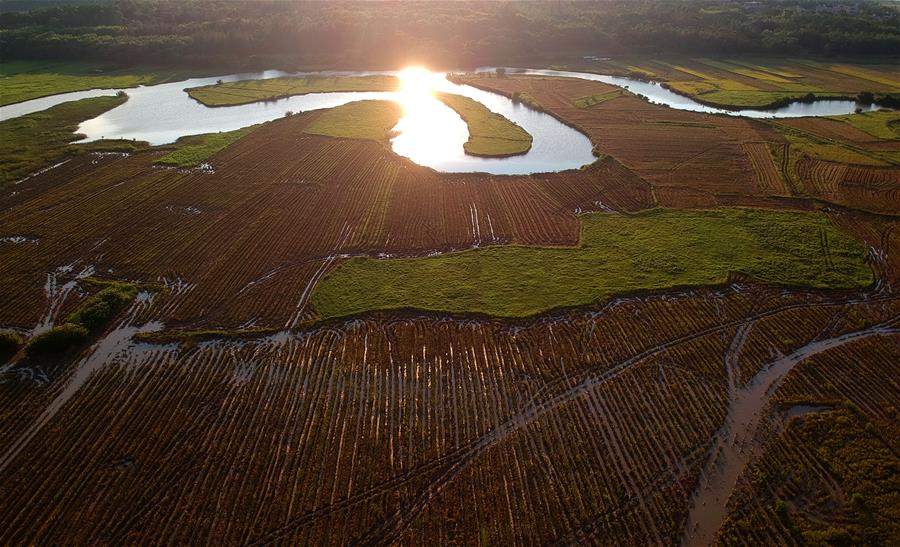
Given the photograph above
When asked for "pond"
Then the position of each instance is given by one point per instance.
(429, 132)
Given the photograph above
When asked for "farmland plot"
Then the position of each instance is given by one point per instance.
(584, 425)
(281, 203)
(218, 408)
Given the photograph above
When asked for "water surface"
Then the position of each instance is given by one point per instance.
(429, 132)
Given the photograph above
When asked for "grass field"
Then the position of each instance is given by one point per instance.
(251, 91)
(193, 150)
(757, 83)
(599, 98)
(371, 120)
(883, 124)
(25, 80)
(490, 134)
(31, 142)
(617, 254)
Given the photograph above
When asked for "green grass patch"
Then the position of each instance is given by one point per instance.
(89, 318)
(26, 80)
(600, 98)
(193, 150)
(251, 91)
(882, 124)
(29, 143)
(372, 120)
(617, 254)
(523, 97)
(57, 340)
(804, 143)
(490, 134)
(190, 337)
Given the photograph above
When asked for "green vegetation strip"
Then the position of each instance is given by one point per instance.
(195, 149)
(251, 91)
(26, 80)
(88, 319)
(490, 134)
(882, 124)
(372, 120)
(600, 98)
(35, 141)
(617, 254)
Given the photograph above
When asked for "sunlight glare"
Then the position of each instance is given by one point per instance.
(422, 113)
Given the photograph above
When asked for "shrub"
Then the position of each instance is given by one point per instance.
(99, 309)
(865, 97)
(9, 342)
(56, 340)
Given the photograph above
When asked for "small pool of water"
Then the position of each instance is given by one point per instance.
(429, 132)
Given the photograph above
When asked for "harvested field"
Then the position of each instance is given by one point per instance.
(569, 427)
(676, 151)
(841, 130)
(827, 475)
(220, 407)
(874, 189)
(757, 83)
(309, 198)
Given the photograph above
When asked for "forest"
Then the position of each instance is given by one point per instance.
(357, 33)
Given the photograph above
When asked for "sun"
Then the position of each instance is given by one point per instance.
(415, 80)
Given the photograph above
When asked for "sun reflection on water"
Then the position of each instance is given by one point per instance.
(428, 130)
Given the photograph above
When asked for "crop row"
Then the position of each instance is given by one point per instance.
(251, 236)
(871, 188)
(418, 429)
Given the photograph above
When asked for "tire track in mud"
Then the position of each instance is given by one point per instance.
(108, 347)
(735, 447)
(566, 388)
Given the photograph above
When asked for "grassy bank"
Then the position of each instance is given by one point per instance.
(251, 91)
(617, 254)
(490, 134)
(357, 120)
(26, 80)
(193, 150)
(30, 143)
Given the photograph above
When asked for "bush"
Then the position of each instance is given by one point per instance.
(56, 340)
(99, 309)
(9, 342)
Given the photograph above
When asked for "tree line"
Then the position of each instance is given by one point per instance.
(452, 33)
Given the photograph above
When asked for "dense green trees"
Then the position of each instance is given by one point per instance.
(456, 33)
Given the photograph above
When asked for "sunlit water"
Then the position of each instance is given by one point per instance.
(429, 132)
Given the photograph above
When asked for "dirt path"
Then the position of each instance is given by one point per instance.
(735, 447)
